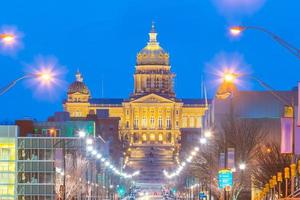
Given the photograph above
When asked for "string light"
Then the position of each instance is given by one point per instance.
(105, 162)
(189, 159)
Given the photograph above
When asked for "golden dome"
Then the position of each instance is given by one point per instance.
(78, 86)
(152, 54)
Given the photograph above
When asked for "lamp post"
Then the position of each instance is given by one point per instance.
(41, 76)
(237, 30)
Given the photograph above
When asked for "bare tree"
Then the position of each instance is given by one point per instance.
(75, 175)
(269, 162)
(246, 137)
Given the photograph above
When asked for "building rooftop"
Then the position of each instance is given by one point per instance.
(117, 101)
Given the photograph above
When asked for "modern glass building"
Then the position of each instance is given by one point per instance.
(51, 163)
(8, 139)
(40, 166)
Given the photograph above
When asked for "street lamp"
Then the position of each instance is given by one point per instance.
(43, 77)
(203, 140)
(81, 134)
(237, 30)
(242, 166)
(207, 133)
(8, 39)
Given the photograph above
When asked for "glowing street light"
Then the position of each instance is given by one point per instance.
(89, 141)
(229, 77)
(81, 134)
(207, 133)
(203, 140)
(8, 39)
(236, 30)
(242, 166)
(42, 76)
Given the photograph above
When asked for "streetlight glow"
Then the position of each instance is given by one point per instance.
(89, 148)
(45, 76)
(203, 140)
(89, 141)
(8, 39)
(236, 30)
(81, 134)
(229, 77)
(242, 166)
(207, 133)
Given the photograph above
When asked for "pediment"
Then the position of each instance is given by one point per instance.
(152, 98)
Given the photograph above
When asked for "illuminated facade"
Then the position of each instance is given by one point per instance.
(8, 142)
(152, 117)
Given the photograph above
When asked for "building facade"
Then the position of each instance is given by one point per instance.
(33, 166)
(8, 143)
(152, 117)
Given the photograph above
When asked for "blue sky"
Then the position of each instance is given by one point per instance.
(102, 38)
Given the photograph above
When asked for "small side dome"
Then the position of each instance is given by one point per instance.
(78, 86)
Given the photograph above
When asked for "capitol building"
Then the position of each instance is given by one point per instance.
(152, 119)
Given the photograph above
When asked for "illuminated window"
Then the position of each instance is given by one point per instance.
(127, 112)
(136, 122)
(152, 137)
(144, 122)
(199, 122)
(184, 122)
(152, 122)
(177, 124)
(127, 124)
(160, 137)
(78, 113)
(159, 122)
(168, 122)
(177, 112)
(144, 137)
(4, 153)
(192, 122)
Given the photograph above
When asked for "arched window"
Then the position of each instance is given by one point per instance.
(192, 122)
(136, 122)
(168, 122)
(159, 122)
(144, 122)
(152, 123)
(184, 122)
(160, 137)
(152, 137)
(144, 137)
(169, 137)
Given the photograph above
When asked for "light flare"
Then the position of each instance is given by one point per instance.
(227, 63)
(10, 40)
(48, 81)
(236, 30)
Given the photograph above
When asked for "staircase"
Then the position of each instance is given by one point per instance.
(151, 161)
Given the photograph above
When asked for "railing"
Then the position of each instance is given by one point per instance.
(283, 188)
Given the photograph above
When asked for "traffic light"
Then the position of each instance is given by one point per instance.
(121, 190)
(174, 190)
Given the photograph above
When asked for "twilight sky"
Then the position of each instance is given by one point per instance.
(102, 38)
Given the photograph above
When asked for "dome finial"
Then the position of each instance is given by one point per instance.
(78, 76)
(152, 34)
